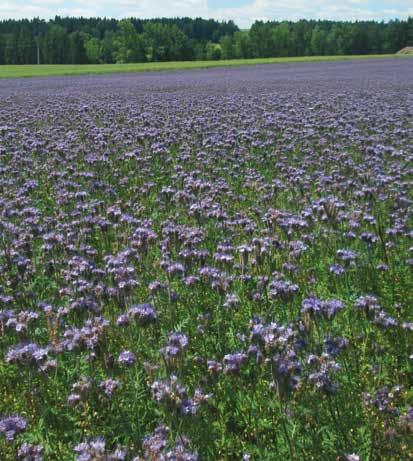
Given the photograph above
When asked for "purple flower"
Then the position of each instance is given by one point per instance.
(233, 362)
(384, 320)
(95, 450)
(347, 256)
(28, 452)
(314, 306)
(31, 354)
(110, 386)
(12, 425)
(286, 369)
(322, 377)
(333, 346)
(122, 320)
(175, 269)
(126, 358)
(87, 337)
(177, 342)
(142, 314)
(282, 288)
(171, 392)
(214, 366)
(367, 303)
(337, 269)
(156, 447)
(384, 400)
(20, 322)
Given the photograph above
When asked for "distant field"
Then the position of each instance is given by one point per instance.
(46, 70)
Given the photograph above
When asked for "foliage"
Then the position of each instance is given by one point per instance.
(65, 40)
(128, 44)
(93, 50)
(213, 51)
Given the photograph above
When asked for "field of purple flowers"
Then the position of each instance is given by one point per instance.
(208, 265)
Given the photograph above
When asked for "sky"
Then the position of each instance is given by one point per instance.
(243, 12)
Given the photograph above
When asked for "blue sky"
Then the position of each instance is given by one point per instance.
(244, 12)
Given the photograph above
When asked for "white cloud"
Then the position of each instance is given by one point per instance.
(243, 16)
(163, 8)
(28, 10)
(317, 9)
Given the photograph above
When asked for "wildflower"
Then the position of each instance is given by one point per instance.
(233, 362)
(347, 256)
(12, 425)
(156, 447)
(28, 452)
(95, 450)
(143, 314)
(177, 342)
(314, 306)
(337, 269)
(367, 303)
(126, 358)
(110, 386)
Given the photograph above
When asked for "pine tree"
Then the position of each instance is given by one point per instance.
(410, 31)
(318, 41)
(77, 51)
(2, 49)
(11, 49)
(26, 47)
(55, 45)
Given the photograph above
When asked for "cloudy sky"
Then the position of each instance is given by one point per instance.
(243, 12)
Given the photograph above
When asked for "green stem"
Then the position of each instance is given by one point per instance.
(336, 422)
(287, 437)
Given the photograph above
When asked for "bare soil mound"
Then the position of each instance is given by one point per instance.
(406, 50)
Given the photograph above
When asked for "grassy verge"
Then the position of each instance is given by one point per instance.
(46, 70)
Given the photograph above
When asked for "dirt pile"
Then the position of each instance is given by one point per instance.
(406, 50)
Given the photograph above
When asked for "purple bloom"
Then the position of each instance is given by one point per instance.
(333, 346)
(384, 320)
(122, 320)
(110, 386)
(286, 369)
(20, 322)
(214, 366)
(233, 362)
(31, 354)
(337, 269)
(282, 288)
(126, 358)
(367, 303)
(156, 447)
(143, 314)
(177, 342)
(347, 256)
(12, 425)
(322, 377)
(383, 401)
(29, 452)
(314, 306)
(95, 450)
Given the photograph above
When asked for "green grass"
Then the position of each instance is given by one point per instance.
(46, 70)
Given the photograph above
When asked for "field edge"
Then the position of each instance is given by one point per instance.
(55, 70)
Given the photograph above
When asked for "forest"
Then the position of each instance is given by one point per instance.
(70, 40)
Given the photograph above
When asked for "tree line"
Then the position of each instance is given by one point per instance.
(101, 40)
